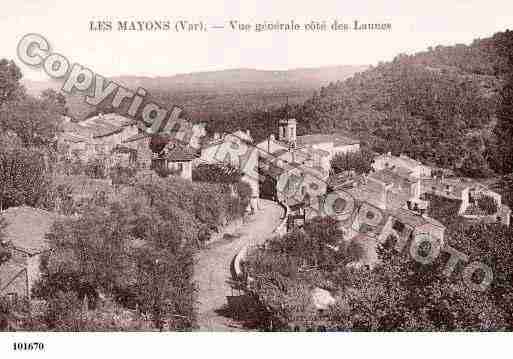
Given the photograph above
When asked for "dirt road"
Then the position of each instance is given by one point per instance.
(212, 271)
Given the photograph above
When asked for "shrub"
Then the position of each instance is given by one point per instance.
(24, 179)
(360, 162)
(487, 204)
(127, 252)
(216, 173)
(121, 175)
(95, 168)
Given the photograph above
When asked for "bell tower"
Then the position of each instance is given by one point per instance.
(287, 131)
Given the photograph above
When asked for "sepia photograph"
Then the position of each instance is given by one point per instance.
(256, 178)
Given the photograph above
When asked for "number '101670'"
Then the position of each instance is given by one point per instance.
(28, 346)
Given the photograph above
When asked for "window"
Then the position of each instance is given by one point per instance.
(12, 297)
(398, 226)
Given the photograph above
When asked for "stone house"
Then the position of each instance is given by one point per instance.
(317, 146)
(403, 162)
(179, 160)
(237, 149)
(24, 244)
(102, 137)
(308, 157)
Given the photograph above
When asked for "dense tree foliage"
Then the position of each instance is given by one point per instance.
(359, 162)
(29, 126)
(24, 177)
(127, 252)
(285, 270)
(10, 76)
(216, 173)
(35, 121)
(503, 154)
(400, 294)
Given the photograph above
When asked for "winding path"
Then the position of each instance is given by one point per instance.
(212, 270)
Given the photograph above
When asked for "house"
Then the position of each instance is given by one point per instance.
(419, 223)
(101, 137)
(237, 149)
(342, 180)
(402, 225)
(23, 245)
(179, 160)
(327, 144)
(332, 143)
(385, 189)
(402, 162)
(459, 189)
(292, 156)
(468, 192)
(399, 187)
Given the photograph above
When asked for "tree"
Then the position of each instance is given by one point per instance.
(96, 168)
(54, 100)
(10, 76)
(504, 128)
(360, 161)
(33, 120)
(126, 253)
(474, 165)
(24, 177)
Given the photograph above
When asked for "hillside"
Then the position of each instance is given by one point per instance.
(215, 93)
(437, 106)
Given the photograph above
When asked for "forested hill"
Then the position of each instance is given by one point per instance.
(215, 95)
(437, 106)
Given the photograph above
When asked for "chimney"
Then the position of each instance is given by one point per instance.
(282, 134)
(248, 133)
(291, 130)
(382, 189)
(272, 137)
(217, 136)
(386, 188)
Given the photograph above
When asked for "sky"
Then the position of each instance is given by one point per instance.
(415, 26)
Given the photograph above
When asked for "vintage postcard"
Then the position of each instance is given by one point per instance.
(222, 166)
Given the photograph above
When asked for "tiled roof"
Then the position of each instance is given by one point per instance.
(70, 137)
(136, 137)
(320, 152)
(27, 226)
(97, 126)
(457, 186)
(390, 176)
(110, 119)
(401, 160)
(336, 139)
(180, 154)
(370, 192)
(280, 152)
(240, 135)
(106, 125)
(414, 219)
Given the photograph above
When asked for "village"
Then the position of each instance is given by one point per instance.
(287, 174)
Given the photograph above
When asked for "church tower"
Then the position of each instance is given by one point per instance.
(287, 131)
